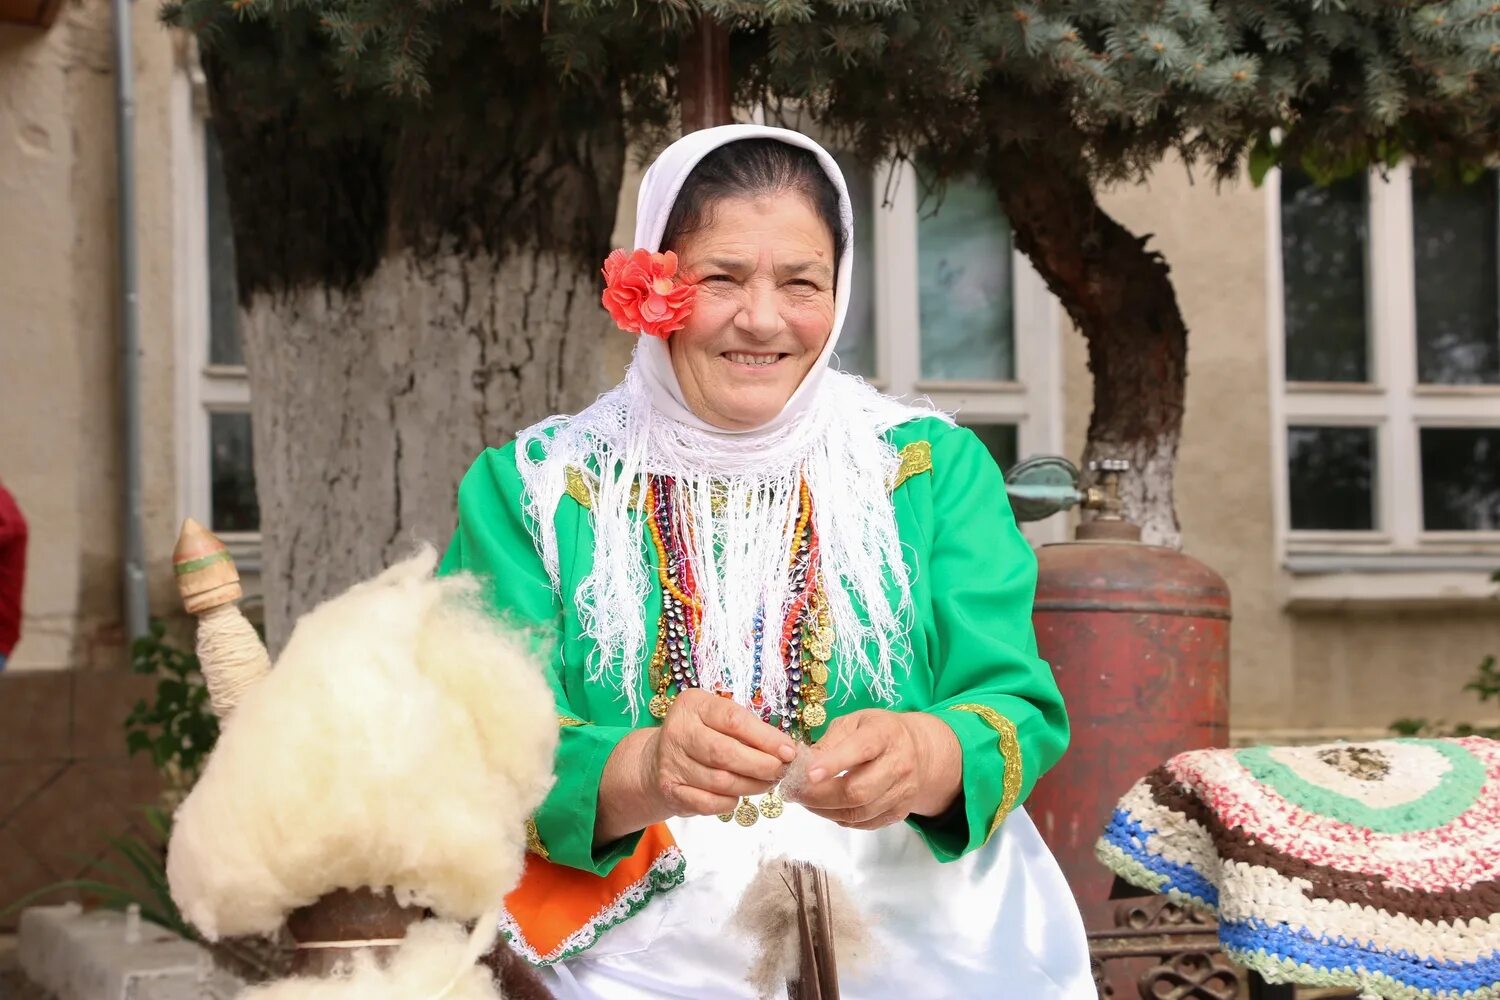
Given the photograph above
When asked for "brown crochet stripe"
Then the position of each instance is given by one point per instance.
(1448, 905)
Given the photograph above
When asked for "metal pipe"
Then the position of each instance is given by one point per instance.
(134, 577)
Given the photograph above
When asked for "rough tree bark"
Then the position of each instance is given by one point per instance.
(416, 283)
(368, 405)
(1120, 296)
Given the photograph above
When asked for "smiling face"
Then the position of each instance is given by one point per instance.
(765, 272)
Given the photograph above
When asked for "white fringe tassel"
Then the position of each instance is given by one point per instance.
(739, 547)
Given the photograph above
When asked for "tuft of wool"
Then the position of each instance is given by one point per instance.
(401, 741)
(794, 781)
(767, 915)
(420, 969)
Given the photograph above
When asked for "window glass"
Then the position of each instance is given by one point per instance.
(1457, 271)
(856, 350)
(223, 302)
(1323, 236)
(232, 472)
(965, 287)
(1331, 474)
(1460, 478)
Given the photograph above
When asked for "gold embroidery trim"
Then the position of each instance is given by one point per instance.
(916, 458)
(568, 720)
(534, 841)
(580, 486)
(1010, 750)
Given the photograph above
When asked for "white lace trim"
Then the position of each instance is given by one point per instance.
(665, 873)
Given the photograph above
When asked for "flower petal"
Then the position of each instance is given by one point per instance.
(654, 308)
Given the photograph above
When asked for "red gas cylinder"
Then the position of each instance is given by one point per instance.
(1138, 638)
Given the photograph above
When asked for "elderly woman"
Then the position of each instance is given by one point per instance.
(741, 553)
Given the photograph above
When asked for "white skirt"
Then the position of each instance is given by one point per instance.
(998, 923)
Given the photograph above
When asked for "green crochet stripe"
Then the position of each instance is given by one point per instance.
(1286, 970)
(1138, 875)
(1455, 792)
(1128, 868)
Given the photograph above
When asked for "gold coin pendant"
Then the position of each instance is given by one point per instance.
(745, 814)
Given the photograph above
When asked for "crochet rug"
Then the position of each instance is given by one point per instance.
(1372, 866)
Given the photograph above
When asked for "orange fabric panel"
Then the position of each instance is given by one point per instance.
(553, 902)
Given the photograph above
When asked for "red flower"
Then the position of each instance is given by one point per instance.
(643, 294)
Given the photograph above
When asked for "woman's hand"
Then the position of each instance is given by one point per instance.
(897, 764)
(707, 753)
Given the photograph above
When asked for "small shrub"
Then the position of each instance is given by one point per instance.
(179, 728)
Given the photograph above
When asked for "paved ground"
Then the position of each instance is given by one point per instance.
(13, 985)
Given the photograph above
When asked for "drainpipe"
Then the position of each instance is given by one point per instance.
(136, 610)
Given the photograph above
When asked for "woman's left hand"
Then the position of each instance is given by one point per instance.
(875, 767)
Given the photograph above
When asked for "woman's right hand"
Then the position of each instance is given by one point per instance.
(707, 753)
(710, 752)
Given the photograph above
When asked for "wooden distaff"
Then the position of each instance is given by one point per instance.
(230, 652)
(817, 976)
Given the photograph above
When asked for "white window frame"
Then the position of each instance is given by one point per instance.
(1415, 563)
(1032, 401)
(202, 388)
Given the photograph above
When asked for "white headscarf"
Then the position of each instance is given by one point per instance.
(654, 203)
(737, 487)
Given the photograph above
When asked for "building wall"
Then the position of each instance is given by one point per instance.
(60, 452)
(1300, 673)
(65, 781)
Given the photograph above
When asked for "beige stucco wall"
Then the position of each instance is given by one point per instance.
(60, 427)
(1294, 674)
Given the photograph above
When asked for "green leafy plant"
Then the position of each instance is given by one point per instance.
(179, 728)
(134, 872)
(1486, 687)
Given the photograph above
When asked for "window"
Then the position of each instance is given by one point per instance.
(1386, 343)
(947, 308)
(215, 444)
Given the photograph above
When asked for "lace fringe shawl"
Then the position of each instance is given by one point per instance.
(741, 495)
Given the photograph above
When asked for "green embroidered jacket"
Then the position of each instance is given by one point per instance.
(974, 656)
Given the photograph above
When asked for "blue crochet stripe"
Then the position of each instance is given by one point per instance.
(1339, 955)
(1133, 837)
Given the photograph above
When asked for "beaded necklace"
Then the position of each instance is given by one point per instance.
(805, 642)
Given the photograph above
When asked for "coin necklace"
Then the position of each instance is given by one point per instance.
(805, 642)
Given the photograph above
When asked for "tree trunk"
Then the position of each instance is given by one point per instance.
(417, 282)
(367, 406)
(1120, 296)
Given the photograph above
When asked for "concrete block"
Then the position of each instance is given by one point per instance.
(105, 955)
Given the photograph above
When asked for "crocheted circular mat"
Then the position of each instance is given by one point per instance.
(1373, 866)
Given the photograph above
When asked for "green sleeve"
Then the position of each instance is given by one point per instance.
(990, 687)
(492, 542)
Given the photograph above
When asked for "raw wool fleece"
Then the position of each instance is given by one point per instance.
(402, 740)
(420, 969)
